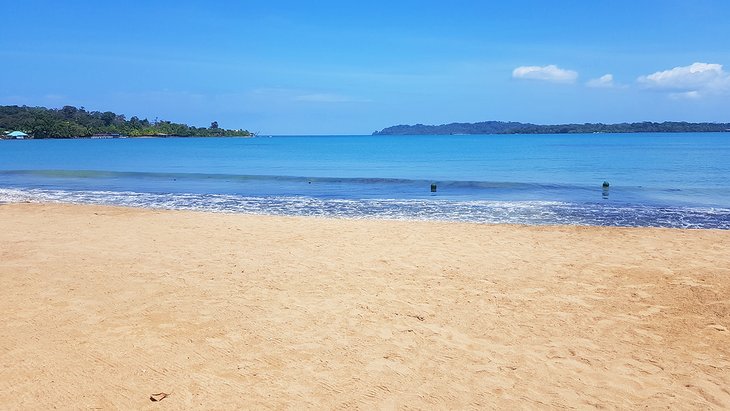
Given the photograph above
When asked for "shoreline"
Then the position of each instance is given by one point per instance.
(368, 135)
(368, 218)
(520, 212)
(105, 306)
(122, 137)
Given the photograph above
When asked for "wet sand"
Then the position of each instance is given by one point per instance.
(102, 307)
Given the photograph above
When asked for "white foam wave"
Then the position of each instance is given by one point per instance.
(481, 211)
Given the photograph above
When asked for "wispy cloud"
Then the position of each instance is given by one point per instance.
(54, 97)
(693, 81)
(605, 81)
(687, 95)
(327, 98)
(283, 95)
(551, 73)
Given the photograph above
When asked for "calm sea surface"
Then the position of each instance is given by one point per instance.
(666, 180)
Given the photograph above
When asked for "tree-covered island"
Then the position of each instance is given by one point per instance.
(72, 122)
(502, 127)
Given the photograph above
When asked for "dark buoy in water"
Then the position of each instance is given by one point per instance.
(433, 187)
(605, 185)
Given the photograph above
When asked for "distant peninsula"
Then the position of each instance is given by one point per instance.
(502, 127)
(72, 122)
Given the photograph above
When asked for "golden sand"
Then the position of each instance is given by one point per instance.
(102, 307)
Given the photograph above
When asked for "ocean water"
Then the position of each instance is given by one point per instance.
(663, 180)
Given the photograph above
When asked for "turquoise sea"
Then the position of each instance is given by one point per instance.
(665, 180)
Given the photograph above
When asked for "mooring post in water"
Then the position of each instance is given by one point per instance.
(433, 187)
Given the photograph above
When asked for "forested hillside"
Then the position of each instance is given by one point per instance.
(69, 122)
(501, 127)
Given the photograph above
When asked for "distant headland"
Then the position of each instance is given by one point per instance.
(502, 127)
(72, 122)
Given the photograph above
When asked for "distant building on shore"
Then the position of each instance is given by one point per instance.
(17, 135)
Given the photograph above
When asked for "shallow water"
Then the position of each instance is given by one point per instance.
(666, 180)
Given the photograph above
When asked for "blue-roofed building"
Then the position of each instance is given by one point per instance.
(18, 135)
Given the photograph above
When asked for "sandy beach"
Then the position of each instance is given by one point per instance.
(102, 307)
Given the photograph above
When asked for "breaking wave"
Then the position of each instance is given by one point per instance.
(477, 211)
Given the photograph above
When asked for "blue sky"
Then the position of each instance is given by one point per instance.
(338, 67)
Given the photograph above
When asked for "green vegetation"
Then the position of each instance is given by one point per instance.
(501, 127)
(70, 122)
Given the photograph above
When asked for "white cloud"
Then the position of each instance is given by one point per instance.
(605, 81)
(550, 73)
(690, 81)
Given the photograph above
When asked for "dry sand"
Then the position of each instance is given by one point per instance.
(102, 307)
